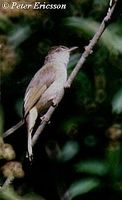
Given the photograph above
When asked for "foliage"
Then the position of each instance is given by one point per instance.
(78, 154)
(117, 102)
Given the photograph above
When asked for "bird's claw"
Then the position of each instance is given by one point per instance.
(44, 118)
(29, 156)
(67, 85)
(54, 103)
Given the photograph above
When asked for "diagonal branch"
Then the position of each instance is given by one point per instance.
(86, 53)
(93, 41)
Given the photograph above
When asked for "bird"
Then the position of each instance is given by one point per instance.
(44, 90)
(45, 87)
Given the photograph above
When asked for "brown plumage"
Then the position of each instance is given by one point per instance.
(45, 87)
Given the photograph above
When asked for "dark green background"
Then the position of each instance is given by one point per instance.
(75, 153)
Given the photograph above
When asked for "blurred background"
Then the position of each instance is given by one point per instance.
(78, 155)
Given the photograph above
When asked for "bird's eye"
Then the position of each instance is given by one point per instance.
(58, 50)
(64, 48)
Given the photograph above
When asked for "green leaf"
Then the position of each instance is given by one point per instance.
(117, 102)
(5, 24)
(83, 186)
(10, 194)
(69, 150)
(92, 167)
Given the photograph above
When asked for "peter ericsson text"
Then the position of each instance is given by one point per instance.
(36, 5)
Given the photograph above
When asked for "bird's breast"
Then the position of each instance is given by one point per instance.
(59, 82)
(53, 91)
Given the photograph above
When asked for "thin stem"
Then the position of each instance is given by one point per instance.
(13, 129)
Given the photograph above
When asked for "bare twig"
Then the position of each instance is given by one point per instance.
(7, 183)
(86, 53)
(42, 126)
(13, 129)
(93, 41)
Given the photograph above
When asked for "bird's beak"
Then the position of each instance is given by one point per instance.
(72, 49)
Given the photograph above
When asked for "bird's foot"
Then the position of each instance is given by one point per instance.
(67, 85)
(30, 150)
(45, 118)
(54, 102)
(29, 156)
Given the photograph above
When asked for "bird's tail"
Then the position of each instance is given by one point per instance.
(13, 128)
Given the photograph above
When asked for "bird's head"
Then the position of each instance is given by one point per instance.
(60, 54)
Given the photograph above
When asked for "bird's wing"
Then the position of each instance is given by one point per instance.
(40, 82)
